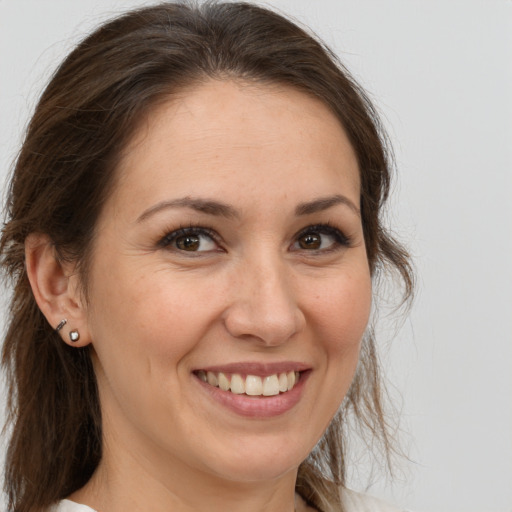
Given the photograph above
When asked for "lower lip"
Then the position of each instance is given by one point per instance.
(260, 406)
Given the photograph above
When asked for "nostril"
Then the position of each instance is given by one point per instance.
(270, 329)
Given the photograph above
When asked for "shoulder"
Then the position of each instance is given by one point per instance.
(70, 506)
(357, 502)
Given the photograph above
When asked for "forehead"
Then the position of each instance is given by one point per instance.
(225, 136)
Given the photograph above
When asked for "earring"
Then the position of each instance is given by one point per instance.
(62, 323)
(74, 335)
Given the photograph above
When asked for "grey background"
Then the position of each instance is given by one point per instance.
(440, 72)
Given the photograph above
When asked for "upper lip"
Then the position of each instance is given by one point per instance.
(252, 368)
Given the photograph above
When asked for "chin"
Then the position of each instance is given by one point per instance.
(257, 461)
(253, 471)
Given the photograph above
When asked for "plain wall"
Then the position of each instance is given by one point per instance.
(440, 71)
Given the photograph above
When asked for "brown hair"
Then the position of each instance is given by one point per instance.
(64, 172)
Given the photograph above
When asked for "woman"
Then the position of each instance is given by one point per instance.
(193, 232)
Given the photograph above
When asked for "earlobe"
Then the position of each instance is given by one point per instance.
(56, 291)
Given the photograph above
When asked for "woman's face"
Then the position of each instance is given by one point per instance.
(231, 250)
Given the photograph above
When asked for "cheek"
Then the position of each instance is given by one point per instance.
(338, 319)
(153, 319)
(342, 313)
(139, 343)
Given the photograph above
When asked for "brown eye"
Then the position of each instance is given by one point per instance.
(311, 241)
(320, 238)
(188, 242)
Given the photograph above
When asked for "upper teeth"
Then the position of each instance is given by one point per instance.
(253, 385)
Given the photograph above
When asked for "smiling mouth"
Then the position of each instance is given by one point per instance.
(251, 385)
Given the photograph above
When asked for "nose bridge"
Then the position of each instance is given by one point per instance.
(264, 304)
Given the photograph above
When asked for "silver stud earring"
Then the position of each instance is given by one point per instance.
(74, 335)
(62, 323)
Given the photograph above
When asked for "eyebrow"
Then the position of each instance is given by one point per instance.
(216, 208)
(324, 203)
(208, 206)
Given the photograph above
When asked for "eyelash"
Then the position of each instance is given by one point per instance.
(341, 240)
(171, 236)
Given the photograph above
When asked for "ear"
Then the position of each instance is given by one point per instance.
(56, 289)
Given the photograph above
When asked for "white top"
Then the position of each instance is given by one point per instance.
(70, 506)
(354, 502)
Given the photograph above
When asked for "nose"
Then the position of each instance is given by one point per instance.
(264, 304)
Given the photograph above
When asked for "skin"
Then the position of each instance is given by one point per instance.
(254, 292)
